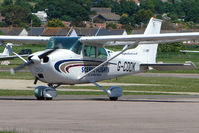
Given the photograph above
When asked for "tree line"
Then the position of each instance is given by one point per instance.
(19, 12)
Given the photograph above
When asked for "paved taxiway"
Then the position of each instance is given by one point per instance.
(95, 114)
(89, 114)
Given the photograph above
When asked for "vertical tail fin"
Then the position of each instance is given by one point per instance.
(8, 50)
(146, 53)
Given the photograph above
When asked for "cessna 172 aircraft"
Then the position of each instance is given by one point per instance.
(78, 60)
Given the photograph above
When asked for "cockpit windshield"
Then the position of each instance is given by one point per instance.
(70, 43)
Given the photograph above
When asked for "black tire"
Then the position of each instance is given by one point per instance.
(40, 98)
(113, 98)
(44, 98)
(48, 98)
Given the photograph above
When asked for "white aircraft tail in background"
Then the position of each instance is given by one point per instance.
(8, 50)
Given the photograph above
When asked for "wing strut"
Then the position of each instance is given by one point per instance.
(126, 48)
(19, 57)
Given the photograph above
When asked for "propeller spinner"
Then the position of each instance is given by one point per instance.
(33, 60)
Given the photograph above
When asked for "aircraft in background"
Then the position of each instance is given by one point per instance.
(7, 53)
(78, 60)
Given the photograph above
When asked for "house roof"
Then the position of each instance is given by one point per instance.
(136, 1)
(162, 31)
(50, 31)
(105, 32)
(4, 30)
(15, 31)
(137, 32)
(93, 31)
(64, 32)
(101, 10)
(111, 16)
(108, 16)
(36, 31)
(85, 31)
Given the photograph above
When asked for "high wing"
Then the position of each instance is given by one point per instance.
(141, 38)
(11, 57)
(25, 39)
(111, 40)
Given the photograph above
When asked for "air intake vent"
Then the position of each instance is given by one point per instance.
(40, 75)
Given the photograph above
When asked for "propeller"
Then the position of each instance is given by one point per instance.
(32, 60)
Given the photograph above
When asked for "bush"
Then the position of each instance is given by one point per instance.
(171, 47)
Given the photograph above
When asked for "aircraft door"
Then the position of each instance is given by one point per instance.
(95, 52)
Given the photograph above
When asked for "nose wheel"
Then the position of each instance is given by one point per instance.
(113, 98)
(45, 93)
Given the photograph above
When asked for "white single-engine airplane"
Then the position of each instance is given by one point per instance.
(78, 60)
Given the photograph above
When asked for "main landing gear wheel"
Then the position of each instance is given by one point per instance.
(45, 93)
(114, 92)
(113, 98)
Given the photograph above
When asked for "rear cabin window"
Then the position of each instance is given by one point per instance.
(102, 53)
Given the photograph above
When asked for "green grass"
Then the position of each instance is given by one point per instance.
(16, 93)
(31, 93)
(166, 83)
(18, 75)
(8, 132)
(33, 47)
(178, 58)
(15, 62)
(163, 84)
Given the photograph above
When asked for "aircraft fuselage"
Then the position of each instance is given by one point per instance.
(66, 67)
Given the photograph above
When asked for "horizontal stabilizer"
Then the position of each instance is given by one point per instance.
(188, 51)
(167, 67)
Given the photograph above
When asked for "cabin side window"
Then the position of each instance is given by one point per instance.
(94, 52)
(101, 53)
(90, 51)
